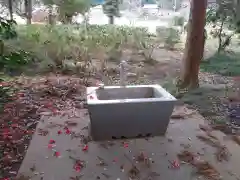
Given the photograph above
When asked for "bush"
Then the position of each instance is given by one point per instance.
(10, 60)
(52, 45)
(169, 36)
(162, 32)
(172, 39)
(178, 21)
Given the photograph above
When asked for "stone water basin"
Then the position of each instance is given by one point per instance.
(129, 112)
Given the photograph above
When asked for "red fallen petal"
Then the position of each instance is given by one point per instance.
(85, 148)
(57, 154)
(98, 83)
(51, 141)
(91, 97)
(175, 164)
(55, 111)
(6, 131)
(31, 132)
(59, 132)
(67, 131)
(125, 145)
(14, 125)
(20, 94)
(5, 136)
(8, 105)
(50, 146)
(48, 105)
(6, 179)
(3, 84)
(236, 77)
(77, 167)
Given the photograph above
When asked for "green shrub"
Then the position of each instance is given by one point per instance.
(51, 45)
(162, 32)
(178, 21)
(10, 60)
(172, 39)
(169, 36)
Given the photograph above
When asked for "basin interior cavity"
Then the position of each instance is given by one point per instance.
(127, 93)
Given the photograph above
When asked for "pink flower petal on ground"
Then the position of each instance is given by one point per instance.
(6, 179)
(67, 131)
(115, 160)
(51, 141)
(2, 84)
(50, 146)
(77, 167)
(55, 111)
(57, 154)
(175, 164)
(85, 148)
(59, 132)
(20, 94)
(47, 105)
(125, 145)
(91, 97)
(14, 125)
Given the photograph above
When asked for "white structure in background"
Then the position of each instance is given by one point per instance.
(185, 9)
(4, 13)
(128, 18)
(131, 16)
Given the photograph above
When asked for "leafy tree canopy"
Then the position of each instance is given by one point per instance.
(225, 11)
(70, 7)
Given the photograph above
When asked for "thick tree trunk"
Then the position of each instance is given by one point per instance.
(194, 46)
(111, 20)
(50, 15)
(220, 37)
(28, 10)
(238, 13)
(10, 7)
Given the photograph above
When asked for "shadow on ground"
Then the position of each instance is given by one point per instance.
(226, 64)
(209, 100)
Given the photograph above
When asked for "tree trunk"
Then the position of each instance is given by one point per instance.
(10, 7)
(50, 15)
(28, 10)
(220, 37)
(238, 14)
(194, 46)
(111, 20)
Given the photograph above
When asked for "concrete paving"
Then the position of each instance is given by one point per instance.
(113, 160)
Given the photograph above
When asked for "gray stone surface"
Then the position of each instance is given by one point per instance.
(129, 112)
(162, 150)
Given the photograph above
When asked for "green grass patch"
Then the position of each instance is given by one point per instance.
(226, 64)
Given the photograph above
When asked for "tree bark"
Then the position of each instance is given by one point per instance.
(194, 46)
(220, 37)
(28, 10)
(50, 15)
(10, 7)
(111, 20)
(238, 13)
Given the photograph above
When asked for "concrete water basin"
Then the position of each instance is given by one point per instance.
(129, 111)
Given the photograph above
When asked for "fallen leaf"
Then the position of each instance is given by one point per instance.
(71, 123)
(106, 175)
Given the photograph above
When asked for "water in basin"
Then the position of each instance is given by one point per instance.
(127, 93)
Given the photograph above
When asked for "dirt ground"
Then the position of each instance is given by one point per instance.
(190, 150)
(53, 94)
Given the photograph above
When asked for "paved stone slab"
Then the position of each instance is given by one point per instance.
(116, 154)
